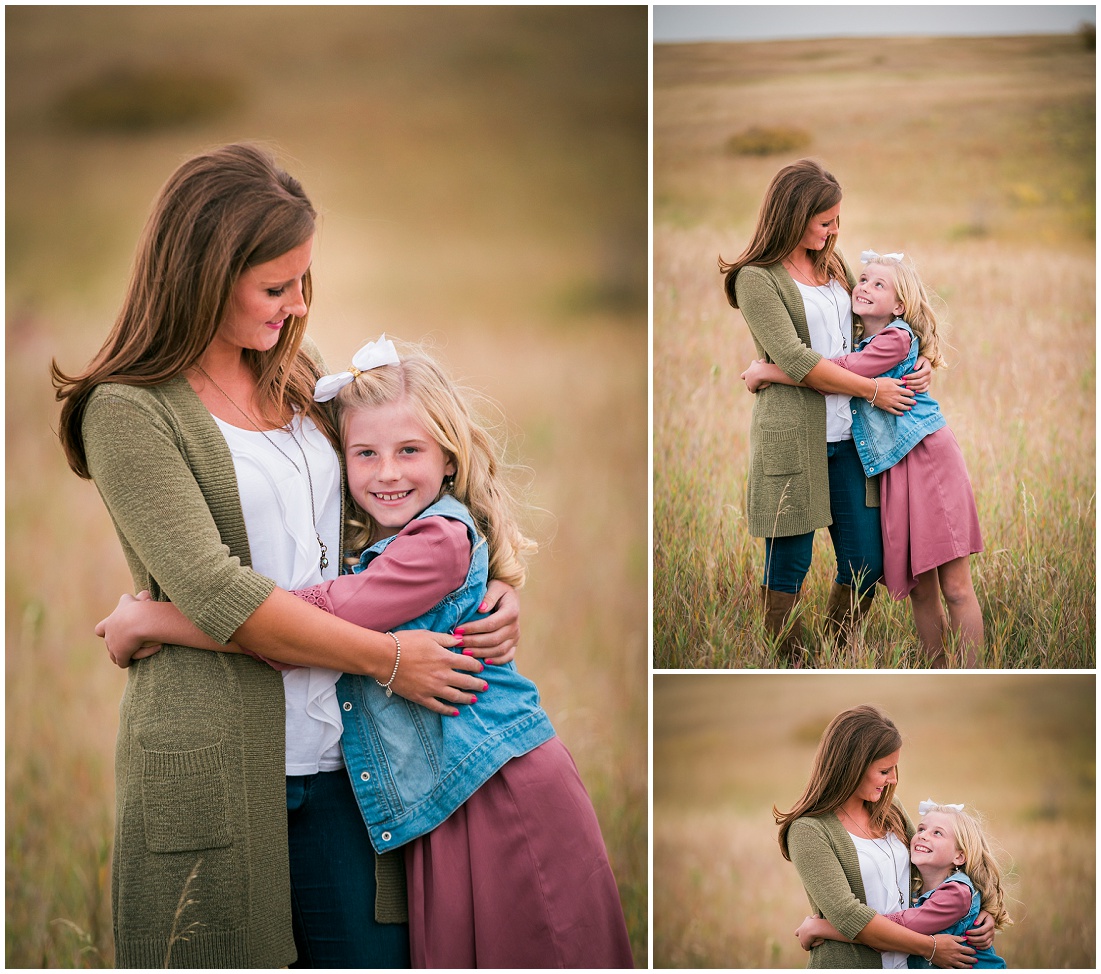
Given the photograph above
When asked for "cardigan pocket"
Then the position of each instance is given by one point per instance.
(785, 486)
(184, 800)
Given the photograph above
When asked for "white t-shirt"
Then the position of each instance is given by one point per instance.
(829, 318)
(275, 500)
(885, 872)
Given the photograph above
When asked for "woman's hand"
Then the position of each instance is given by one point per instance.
(981, 935)
(922, 377)
(496, 637)
(952, 952)
(431, 675)
(121, 631)
(754, 381)
(892, 396)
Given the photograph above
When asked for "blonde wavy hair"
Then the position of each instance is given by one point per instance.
(917, 307)
(980, 863)
(481, 480)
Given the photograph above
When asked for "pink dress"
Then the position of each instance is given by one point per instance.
(519, 875)
(926, 505)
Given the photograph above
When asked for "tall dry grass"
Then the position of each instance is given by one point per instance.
(1017, 748)
(975, 157)
(472, 193)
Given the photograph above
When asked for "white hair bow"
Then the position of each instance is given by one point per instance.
(928, 805)
(371, 356)
(869, 255)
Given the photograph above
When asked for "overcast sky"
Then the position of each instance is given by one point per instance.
(743, 22)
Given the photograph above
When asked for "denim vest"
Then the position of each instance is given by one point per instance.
(983, 958)
(881, 438)
(410, 767)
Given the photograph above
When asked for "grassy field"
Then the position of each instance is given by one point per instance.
(481, 175)
(1017, 748)
(976, 158)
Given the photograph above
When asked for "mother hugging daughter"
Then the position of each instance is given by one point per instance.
(885, 894)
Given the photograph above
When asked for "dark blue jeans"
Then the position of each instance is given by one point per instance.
(333, 879)
(857, 536)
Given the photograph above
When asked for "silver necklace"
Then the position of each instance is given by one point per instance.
(829, 292)
(889, 851)
(324, 562)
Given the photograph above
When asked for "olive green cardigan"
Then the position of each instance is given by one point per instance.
(828, 864)
(200, 779)
(788, 489)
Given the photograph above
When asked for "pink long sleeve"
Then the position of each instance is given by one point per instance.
(428, 559)
(946, 905)
(879, 356)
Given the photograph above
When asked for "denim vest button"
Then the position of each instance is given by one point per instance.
(347, 705)
(385, 836)
(365, 776)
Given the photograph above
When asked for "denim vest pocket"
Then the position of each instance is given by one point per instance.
(185, 800)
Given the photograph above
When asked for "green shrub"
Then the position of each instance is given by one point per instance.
(133, 100)
(762, 141)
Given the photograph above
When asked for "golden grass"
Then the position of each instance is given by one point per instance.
(727, 747)
(473, 193)
(995, 205)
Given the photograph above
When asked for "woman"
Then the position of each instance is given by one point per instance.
(196, 422)
(849, 840)
(794, 292)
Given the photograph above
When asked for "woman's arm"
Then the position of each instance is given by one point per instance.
(943, 950)
(890, 395)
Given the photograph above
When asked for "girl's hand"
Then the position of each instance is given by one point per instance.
(431, 675)
(121, 631)
(808, 938)
(496, 637)
(981, 935)
(752, 376)
(892, 396)
(922, 377)
(952, 952)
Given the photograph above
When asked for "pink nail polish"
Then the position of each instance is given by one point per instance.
(484, 607)
(468, 652)
(454, 713)
(459, 632)
(490, 662)
(473, 699)
(486, 687)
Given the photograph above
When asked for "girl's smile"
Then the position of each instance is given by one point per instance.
(395, 468)
(933, 846)
(874, 297)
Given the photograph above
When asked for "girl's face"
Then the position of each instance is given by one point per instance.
(880, 775)
(934, 843)
(821, 227)
(395, 467)
(874, 296)
(263, 298)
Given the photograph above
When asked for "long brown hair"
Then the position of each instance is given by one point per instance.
(481, 480)
(797, 193)
(852, 742)
(220, 212)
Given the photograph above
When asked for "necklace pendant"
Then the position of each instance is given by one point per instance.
(324, 553)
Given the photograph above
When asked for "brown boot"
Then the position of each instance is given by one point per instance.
(844, 611)
(779, 607)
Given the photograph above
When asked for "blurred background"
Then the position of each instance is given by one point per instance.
(1018, 748)
(481, 174)
(963, 136)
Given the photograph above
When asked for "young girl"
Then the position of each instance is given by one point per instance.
(959, 877)
(927, 507)
(505, 863)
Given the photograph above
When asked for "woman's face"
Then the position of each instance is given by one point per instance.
(821, 227)
(880, 775)
(264, 297)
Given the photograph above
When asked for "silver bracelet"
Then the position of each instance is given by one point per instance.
(929, 959)
(397, 659)
(872, 400)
